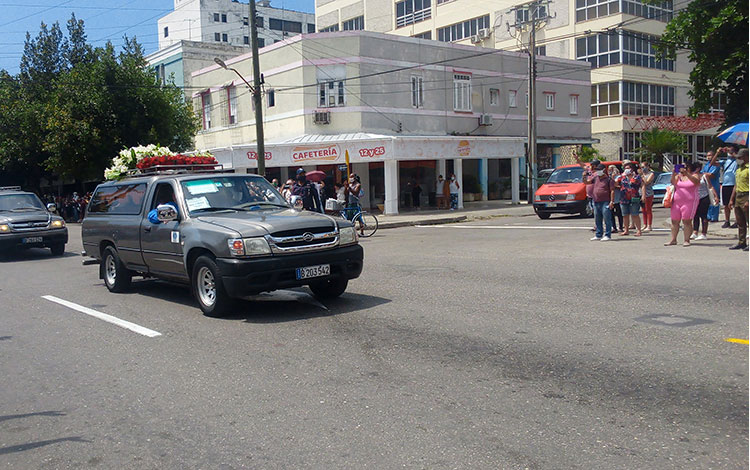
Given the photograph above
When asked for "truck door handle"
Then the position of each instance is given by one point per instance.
(146, 229)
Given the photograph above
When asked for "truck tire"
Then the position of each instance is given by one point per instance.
(58, 249)
(208, 288)
(543, 215)
(116, 276)
(330, 288)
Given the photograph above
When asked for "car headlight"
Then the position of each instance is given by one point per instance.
(4, 228)
(347, 235)
(537, 197)
(570, 197)
(248, 246)
(58, 224)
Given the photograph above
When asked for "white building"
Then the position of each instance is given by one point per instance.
(404, 109)
(631, 89)
(226, 22)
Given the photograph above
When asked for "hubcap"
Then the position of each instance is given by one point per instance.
(206, 286)
(110, 270)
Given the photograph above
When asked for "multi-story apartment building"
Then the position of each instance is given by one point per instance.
(632, 90)
(404, 109)
(226, 22)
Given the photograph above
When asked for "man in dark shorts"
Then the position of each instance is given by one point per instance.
(728, 167)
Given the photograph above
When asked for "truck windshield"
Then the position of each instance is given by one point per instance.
(20, 202)
(566, 175)
(231, 193)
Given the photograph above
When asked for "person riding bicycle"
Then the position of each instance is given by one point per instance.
(353, 193)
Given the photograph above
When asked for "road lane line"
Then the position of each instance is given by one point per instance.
(737, 340)
(103, 316)
(535, 227)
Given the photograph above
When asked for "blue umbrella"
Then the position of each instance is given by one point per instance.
(736, 134)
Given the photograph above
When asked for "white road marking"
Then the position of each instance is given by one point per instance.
(103, 316)
(512, 227)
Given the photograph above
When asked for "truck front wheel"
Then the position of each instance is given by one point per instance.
(330, 288)
(208, 288)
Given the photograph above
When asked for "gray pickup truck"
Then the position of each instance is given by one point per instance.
(26, 223)
(226, 235)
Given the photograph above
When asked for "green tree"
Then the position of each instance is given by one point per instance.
(716, 34)
(654, 144)
(587, 154)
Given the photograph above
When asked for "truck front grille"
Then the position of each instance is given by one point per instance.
(302, 241)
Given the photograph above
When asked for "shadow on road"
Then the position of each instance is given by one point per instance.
(34, 445)
(31, 254)
(28, 415)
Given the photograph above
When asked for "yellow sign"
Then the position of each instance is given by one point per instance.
(348, 168)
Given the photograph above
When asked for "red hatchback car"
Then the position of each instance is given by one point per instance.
(565, 193)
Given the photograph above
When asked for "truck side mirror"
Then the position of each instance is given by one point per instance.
(52, 207)
(166, 213)
(297, 203)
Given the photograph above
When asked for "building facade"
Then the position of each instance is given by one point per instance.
(226, 22)
(404, 109)
(632, 90)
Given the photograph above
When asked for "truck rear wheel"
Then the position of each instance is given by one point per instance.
(208, 288)
(330, 288)
(116, 276)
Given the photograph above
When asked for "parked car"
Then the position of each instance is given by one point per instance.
(565, 193)
(543, 175)
(225, 235)
(661, 182)
(25, 222)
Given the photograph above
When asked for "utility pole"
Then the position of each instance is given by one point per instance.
(528, 16)
(257, 98)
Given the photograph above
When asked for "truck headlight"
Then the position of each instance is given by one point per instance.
(570, 197)
(58, 224)
(4, 228)
(248, 246)
(347, 235)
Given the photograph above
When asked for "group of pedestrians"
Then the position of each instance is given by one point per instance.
(72, 207)
(446, 192)
(694, 198)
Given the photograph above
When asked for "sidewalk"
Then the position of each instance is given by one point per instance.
(471, 211)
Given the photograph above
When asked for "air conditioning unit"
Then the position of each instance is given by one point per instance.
(475, 39)
(322, 117)
(484, 33)
(485, 120)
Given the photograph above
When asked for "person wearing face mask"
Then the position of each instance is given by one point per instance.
(729, 167)
(739, 200)
(308, 193)
(630, 185)
(685, 200)
(648, 196)
(442, 201)
(602, 192)
(454, 187)
(614, 173)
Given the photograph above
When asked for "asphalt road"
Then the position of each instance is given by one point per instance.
(510, 343)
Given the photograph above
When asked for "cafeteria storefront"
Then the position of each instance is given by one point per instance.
(381, 161)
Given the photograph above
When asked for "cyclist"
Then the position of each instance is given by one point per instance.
(353, 192)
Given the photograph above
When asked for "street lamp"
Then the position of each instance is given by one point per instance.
(255, 90)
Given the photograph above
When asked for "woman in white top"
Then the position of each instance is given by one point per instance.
(454, 188)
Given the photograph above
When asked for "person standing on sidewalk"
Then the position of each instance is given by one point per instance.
(739, 200)
(727, 183)
(630, 198)
(712, 172)
(684, 202)
(648, 196)
(454, 188)
(603, 189)
(614, 173)
(701, 212)
(442, 201)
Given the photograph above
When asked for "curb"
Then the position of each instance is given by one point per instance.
(411, 223)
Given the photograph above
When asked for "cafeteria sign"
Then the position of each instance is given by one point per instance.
(305, 154)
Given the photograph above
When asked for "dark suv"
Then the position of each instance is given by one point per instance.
(226, 235)
(26, 223)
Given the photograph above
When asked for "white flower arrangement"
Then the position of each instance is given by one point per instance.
(127, 159)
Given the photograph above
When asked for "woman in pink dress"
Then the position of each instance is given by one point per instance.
(685, 200)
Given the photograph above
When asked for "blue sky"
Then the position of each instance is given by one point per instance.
(105, 20)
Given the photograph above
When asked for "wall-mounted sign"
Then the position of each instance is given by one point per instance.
(372, 152)
(464, 148)
(253, 155)
(327, 153)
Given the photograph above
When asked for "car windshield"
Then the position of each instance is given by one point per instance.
(219, 193)
(566, 175)
(664, 178)
(20, 202)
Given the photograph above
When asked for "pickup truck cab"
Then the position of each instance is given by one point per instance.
(226, 235)
(27, 223)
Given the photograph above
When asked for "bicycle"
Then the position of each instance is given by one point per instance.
(368, 223)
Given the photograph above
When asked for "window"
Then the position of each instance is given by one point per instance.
(718, 102)
(217, 37)
(330, 29)
(465, 29)
(417, 92)
(125, 199)
(425, 35)
(624, 47)
(600, 49)
(166, 31)
(590, 9)
(638, 50)
(573, 104)
(527, 100)
(461, 92)
(354, 24)
(283, 25)
(643, 99)
(245, 40)
(224, 37)
(541, 50)
(245, 21)
(261, 43)
(549, 101)
(217, 17)
(631, 143)
(223, 18)
(259, 22)
(206, 110)
(271, 98)
(331, 94)
(232, 100)
(494, 97)
(412, 11)
(522, 14)
(310, 28)
(605, 99)
(512, 98)
(443, 1)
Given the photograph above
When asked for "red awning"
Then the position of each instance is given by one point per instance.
(685, 124)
